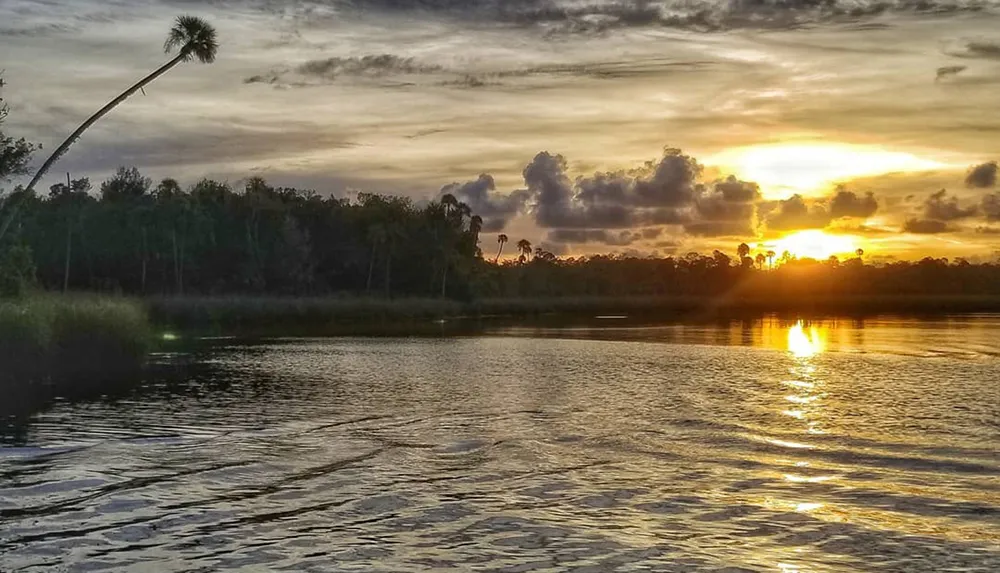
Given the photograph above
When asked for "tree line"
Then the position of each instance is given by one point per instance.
(135, 237)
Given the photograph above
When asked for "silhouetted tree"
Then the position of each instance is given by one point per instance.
(501, 239)
(743, 250)
(524, 247)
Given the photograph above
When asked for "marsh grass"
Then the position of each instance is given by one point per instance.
(75, 338)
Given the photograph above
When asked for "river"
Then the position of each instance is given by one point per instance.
(764, 445)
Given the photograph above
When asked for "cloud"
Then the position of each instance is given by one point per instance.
(795, 213)
(976, 49)
(667, 191)
(327, 70)
(599, 16)
(846, 203)
(948, 71)
(982, 176)
(730, 209)
(991, 207)
(939, 210)
(384, 66)
(652, 194)
(925, 226)
(621, 238)
(496, 210)
(940, 207)
(719, 228)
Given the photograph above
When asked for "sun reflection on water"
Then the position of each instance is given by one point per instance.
(804, 343)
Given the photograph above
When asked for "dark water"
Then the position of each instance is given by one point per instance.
(757, 446)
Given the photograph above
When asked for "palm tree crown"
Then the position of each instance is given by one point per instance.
(195, 37)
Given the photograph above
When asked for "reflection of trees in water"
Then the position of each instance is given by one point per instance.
(165, 378)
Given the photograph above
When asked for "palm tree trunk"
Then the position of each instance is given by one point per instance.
(388, 272)
(444, 281)
(142, 288)
(177, 271)
(500, 250)
(86, 125)
(180, 263)
(69, 253)
(371, 267)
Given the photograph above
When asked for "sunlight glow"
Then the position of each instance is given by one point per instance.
(802, 343)
(815, 244)
(782, 169)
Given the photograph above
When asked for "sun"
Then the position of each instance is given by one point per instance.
(814, 244)
(783, 169)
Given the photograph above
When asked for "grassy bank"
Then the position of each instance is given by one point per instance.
(73, 339)
(270, 316)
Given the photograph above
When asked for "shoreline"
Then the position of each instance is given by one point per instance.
(339, 316)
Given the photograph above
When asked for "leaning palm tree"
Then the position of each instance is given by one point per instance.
(860, 253)
(501, 238)
(193, 38)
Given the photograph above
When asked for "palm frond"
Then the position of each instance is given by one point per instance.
(194, 37)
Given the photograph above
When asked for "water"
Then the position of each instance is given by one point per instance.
(757, 446)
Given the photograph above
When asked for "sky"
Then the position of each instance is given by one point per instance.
(642, 127)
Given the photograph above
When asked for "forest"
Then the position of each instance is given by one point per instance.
(131, 236)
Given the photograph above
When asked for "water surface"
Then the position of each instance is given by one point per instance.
(745, 446)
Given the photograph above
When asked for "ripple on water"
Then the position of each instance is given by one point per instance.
(519, 454)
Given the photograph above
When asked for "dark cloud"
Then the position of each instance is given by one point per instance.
(733, 190)
(939, 206)
(652, 194)
(982, 176)
(733, 228)
(948, 71)
(976, 49)
(384, 66)
(667, 246)
(372, 65)
(496, 210)
(661, 192)
(991, 207)
(846, 203)
(329, 69)
(670, 182)
(599, 16)
(621, 238)
(925, 226)
(939, 210)
(730, 209)
(651, 232)
(795, 213)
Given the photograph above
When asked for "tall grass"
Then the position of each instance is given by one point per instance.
(76, 337)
